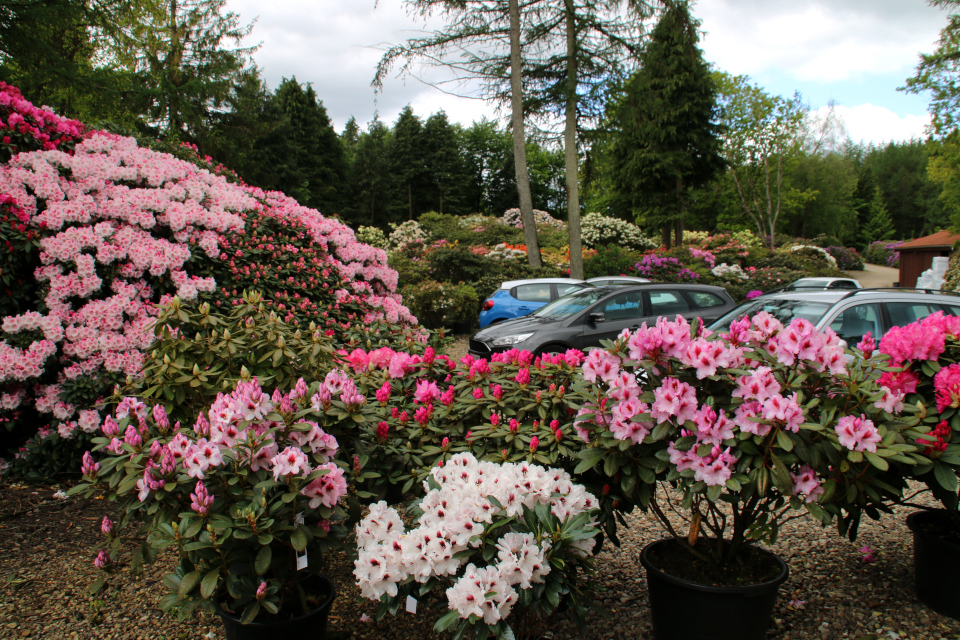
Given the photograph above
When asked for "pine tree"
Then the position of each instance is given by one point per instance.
(407, 162)
(446, 171)
(666, 140)
(879, 225)
(302, 156)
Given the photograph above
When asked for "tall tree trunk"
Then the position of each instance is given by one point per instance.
(571, 160)
(519, 141)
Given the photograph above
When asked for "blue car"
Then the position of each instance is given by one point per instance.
(517, 298)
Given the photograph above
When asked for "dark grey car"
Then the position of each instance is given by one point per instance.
(582, 319)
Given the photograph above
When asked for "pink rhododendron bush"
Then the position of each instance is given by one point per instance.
(102, 233)
(745, 429)
(927, 354)
(251, 484)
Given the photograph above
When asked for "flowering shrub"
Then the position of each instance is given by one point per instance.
(24, 127)
(926, 354)
(848, 259)
(741, 428)
(729, 272)
(111, 232)
(706, 256)
(818, 252)
(373, 237)
(598, 230)
(513, 218)
(770, 278)
(504, 251)
(610, 260)
(664, 269)
(407, 233)
(695, 237)
(883, 253)
(441, 304)
(491, 537)
(248, 496)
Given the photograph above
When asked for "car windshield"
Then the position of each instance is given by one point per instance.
(570, 304)
(783, 309)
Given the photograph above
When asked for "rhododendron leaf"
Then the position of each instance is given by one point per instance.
(855, 457)
(462, 629)
(482, 632)
(193, 528)
(188, 583)
(298, 539)
(250, 613)
(781, 476)
(262, 563)
(733, 484)
(209, 583)
(783, 439)
(96, 585)
(945, 476)
(589, 459)
(714, 492)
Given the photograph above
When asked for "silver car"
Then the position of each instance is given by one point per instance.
(850, 313)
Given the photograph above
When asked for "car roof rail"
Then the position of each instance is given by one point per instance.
(854, 292)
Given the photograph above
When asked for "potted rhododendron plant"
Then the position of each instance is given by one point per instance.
(489, 538)
(248, 496)
(740, 432)
(926, 355)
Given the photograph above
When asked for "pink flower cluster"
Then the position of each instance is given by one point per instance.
(116, 222)
(858, 434)
(235, 431)
(923, 340)
(453, 516)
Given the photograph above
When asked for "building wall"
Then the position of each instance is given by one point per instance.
(914, 262)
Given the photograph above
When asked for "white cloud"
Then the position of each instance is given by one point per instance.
(873, 124)
(821, 40)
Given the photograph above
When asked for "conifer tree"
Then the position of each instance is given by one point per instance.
(879, 225)
(666, 138)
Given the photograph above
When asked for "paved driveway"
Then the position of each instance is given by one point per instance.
(874, 276)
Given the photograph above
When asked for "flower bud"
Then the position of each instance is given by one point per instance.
(88, 467)
(445, 444)
(102, 560)
(106, 527)
(262, 591)
(534, 444)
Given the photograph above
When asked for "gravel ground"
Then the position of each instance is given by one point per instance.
(47, 546)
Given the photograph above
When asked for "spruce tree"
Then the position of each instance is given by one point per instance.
(879, 225)
(407, 162)
(666, 133)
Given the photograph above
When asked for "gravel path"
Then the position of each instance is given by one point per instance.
(47, 548)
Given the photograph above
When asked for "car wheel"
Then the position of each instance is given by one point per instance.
(552, 349)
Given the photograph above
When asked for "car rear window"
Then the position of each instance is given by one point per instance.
(904, 313)
(705, 299)
(570, 304)
(854, 322)
(667, 303)
(782, 309)
(564, 289)
(532, 292)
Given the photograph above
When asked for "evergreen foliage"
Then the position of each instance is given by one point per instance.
(667, 138)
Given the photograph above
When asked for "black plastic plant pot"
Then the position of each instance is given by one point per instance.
(936, 562)
(685, 610)
(309, 626)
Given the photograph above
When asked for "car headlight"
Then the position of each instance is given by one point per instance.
(514, 339)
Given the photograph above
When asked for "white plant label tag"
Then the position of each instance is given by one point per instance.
(302, 562)
(411, 604)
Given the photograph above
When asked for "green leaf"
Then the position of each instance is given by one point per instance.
(945, 476)
(876, 461)
(209, 583)
(262, 563)
(784, 441)
(98, 584)
(188, 583)
(447, 620)
(250, 613)
(588, 459)
(298, 538)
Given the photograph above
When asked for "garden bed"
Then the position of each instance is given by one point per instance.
(47, 546)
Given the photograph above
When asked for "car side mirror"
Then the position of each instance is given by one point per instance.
(596, 317)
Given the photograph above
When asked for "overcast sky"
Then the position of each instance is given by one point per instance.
(853, 52)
